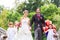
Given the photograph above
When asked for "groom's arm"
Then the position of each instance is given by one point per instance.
(43, 21)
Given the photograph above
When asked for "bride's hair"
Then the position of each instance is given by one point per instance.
(25, 11)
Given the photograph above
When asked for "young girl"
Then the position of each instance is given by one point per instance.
(51, 34)
(48, 22)
(11, 31)
(17, 24)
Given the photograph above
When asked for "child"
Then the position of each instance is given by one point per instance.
(47, 22)
(16, 24)
(51, 33)
(11, 31)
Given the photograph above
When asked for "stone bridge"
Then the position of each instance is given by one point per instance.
(2, 33)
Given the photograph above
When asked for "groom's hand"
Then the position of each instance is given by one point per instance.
(43, 29)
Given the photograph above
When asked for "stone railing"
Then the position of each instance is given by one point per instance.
(2, 33)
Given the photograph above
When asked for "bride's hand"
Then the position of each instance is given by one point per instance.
(29, 28)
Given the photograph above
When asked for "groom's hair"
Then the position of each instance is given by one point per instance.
(38, 8)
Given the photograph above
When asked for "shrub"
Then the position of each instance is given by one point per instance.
(48, 10)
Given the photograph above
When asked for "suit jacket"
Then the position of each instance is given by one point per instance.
(38, 22)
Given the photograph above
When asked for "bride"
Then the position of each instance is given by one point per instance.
(24, 32)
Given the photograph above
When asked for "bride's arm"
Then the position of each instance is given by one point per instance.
(29, 23)
(21, 21)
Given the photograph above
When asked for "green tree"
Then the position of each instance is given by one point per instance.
(31, 5)
(49, 11)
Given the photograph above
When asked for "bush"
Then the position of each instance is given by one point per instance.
(48, 10)
(56, 20)
(58, 10)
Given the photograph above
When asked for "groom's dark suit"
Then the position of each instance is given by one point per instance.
(39, 22)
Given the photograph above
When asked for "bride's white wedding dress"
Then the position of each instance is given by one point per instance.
(24, 33)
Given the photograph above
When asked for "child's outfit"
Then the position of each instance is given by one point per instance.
(50, 35)
(11, 32)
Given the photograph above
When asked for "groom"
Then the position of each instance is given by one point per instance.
(39, 23)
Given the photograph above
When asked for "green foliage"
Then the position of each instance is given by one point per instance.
(56, 2)
(58, 10)
(7, 16)
(52, 12)
(3, 21)
(31, 14)
(31, 6)
(56, 20)
(13, 16)
(49, 10)
(20, 8)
